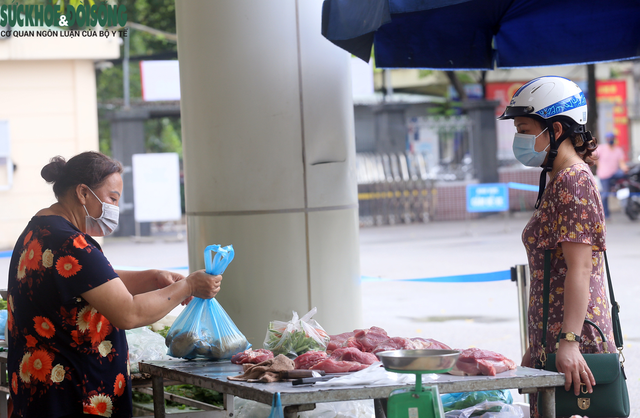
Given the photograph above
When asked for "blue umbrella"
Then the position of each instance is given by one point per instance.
(484, 34)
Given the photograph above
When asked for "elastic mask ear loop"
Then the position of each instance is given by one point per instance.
(551, 156)
(85, 208)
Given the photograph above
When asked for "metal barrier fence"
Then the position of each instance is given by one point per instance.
(401, 187)
(394, 188)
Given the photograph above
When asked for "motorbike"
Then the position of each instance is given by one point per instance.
(627, 190)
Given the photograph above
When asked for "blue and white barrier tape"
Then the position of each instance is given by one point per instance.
(521, 186)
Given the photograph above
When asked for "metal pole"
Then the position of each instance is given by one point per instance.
(125, 70)
(522, 281)
(388, 84)
(547, 402)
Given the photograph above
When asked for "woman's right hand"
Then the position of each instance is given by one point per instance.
(203, 285)
(570, 361)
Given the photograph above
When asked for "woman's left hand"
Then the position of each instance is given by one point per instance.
(569, 361)
(166, 278)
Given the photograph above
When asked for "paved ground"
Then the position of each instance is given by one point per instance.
(459, 314)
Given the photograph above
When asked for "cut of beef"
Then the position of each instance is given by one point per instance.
(475, 361)
(252, 356)
(309, 359)
(353, 354)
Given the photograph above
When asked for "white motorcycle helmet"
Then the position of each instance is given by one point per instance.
(548, 97)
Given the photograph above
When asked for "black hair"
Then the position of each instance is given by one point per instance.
(90, 168)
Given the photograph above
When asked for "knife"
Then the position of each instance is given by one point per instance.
(312, 380)
(301, 373)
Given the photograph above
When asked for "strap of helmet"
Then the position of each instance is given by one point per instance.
(553, 153)
(551, 156)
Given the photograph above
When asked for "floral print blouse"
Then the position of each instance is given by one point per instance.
(64, 356)
(570, 211)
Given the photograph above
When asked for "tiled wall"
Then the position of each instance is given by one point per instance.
(451, 203)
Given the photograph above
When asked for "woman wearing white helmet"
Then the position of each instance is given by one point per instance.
(550, 114)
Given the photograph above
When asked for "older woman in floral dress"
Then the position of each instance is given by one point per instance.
(68, 308)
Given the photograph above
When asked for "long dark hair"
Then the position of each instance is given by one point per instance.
(90, 168)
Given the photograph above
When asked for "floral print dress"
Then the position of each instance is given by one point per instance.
(570, 211)
(64, 357)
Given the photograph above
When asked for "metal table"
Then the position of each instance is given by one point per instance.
(213, 375)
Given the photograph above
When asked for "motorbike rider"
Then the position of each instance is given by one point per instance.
(610, 167)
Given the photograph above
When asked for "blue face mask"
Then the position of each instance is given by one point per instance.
(525, 152)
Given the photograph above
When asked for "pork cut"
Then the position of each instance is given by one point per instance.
(352, 342)
(337, 341)
(252, 356)
(330, 365)
(370, 338)
(428, 344)
(395, 343)
(353, 354)
(476, 361)
(309, 359)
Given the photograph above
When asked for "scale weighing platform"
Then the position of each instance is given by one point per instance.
(421, 401)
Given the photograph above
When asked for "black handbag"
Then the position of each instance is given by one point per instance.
(610, 397)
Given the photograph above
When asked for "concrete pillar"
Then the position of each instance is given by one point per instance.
(269, 160)
(484, 139)
(127, 138)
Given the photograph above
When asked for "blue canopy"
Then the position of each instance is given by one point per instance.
(484, 34)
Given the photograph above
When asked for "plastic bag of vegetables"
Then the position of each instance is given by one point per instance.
(296, 336)
(204, 329)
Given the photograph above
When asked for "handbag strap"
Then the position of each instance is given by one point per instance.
(545, 297)
(615, 308)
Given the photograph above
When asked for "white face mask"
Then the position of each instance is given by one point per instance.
(106, 223)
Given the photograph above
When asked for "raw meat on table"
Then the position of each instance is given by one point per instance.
(309, 359)
(395, 343)
(353, 354)
(475, 361)
(252, 356)
(337, 341)
(370, 338)
(428, 344)
(352, 342)
(330, 365)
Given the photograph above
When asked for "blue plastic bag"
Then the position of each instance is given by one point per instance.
(204, 329)
(3, 321)
(463, 400)
(276, 407)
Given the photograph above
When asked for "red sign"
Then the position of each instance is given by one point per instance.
(612, 111)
